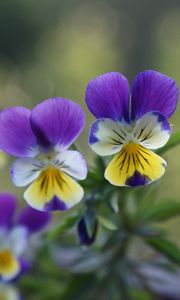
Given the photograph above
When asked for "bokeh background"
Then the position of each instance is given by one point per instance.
(53, 48)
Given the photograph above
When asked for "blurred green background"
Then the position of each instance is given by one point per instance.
(53, 48)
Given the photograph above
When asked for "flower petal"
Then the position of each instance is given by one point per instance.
(25, 170)
(135, 165)
(107, 136)
(108, 96)
(57, 121)
(17, 138)
(33, 219)
(53, 190)
(17, 240)
(72, 163)
(152, 130)
(8, 204)
(9, 265)
(25, 266)
(153, 91)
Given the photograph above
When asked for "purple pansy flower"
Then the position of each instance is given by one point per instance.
(40, 139)
(15, 235)
(130, 125)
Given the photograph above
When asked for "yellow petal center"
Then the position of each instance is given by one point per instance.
(8, 264)
(50, 183)
(134, 165)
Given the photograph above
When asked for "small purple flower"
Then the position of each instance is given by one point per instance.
(40, 138)
(130, 125)
(15, 236)
(84, 236)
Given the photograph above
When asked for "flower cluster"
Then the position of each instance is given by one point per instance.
(131, 125)
(15, 235)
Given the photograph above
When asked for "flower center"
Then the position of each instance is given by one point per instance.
(6, 259)
(9, 266)
(49, 176)
(131, 147)
(46, 157)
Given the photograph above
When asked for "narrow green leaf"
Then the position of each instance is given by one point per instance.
(147, 231)
(173, 142)
(159, 211)
(166, 247)
(108, 224)
(113, 203)
(67, 224)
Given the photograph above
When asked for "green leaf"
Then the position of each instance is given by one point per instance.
(79, 287)
(173, 142)
(67, 224)
(99, 166)
(113, 203)
(140, 295)
(147, 231)
(159, 211)
(166, 247)
(108, 224)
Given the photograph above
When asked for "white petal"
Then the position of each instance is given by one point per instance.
(3, 238)
(17, 240)
(9, 292)
(152, 130)
(107, 136)
(72, 163)
(25, 170)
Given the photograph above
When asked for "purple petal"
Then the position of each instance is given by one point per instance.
(57, 121)
(55, 204)
(17, 138)
(108, 96)
(33, 219)
(24, 268)
(137, 180)
(25, 265)
(153, 91)
(8, 204)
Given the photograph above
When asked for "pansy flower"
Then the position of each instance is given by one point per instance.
(15, 236)
(131, 125)
(40, 139)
